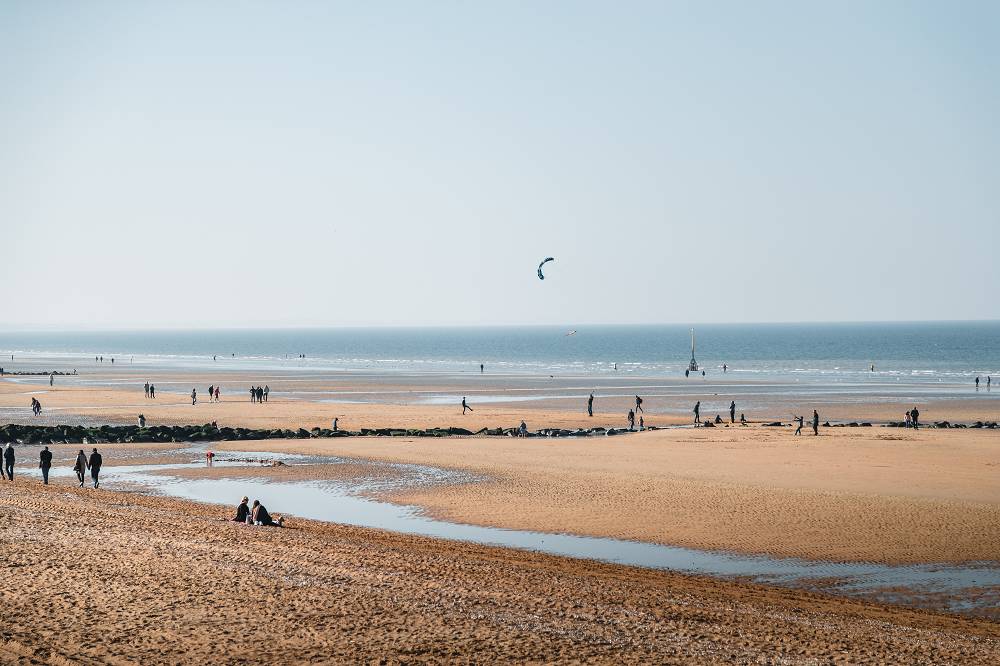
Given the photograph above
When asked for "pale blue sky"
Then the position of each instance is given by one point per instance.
(240, 164)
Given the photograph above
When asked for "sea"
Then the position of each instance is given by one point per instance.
(953, 352)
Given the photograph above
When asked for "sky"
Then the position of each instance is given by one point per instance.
(243, 164)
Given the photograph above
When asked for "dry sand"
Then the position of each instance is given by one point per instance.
(105, 577)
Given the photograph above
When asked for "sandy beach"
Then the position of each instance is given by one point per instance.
(100, 576)
(883, 495)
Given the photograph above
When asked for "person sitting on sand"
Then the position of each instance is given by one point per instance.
(743, 419)
(260, 516)
(718, 419)
(242, 511)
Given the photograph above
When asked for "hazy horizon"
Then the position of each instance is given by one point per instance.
(204, 167)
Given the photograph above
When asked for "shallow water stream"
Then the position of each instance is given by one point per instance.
(973, 588)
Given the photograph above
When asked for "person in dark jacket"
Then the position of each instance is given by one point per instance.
(45, 463)
(242, 511)
(815, 422)
(95, 467)
(260, 516)
(8, 461)
(81, 466)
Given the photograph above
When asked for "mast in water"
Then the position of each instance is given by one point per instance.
(693, 365)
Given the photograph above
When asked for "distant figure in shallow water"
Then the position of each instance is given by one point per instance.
(482, 368)
(977, 383)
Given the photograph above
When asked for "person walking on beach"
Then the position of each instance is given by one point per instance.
(45, 463)
(590, 405)
(217, 394)
(8, 461)
(260, 395)
(815, 422)
(732, 412)
(194, 396)
(152, 391)
(267, 390)
(253, 394)
(465, 406)
(146, 388)
(915, 417)
(631, 420)
(800, 419)
(95, 467)
(638, 405)
(697, 413)
(81, 466)
(211, 392)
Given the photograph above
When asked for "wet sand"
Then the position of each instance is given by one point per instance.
(99, 576)
(877, 495)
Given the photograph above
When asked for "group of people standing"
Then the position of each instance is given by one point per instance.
(82, 464)
(989, 382)
(150, 390)
(912, 419)
(258, 394)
